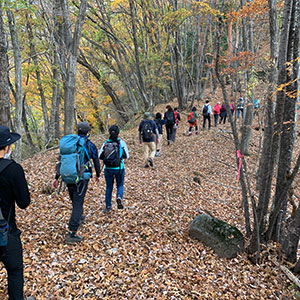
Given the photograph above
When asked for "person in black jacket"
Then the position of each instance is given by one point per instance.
(169, 117)
(77, 191)
(13, 189)
(159, 123)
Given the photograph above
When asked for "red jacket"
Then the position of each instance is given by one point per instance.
(217, 109)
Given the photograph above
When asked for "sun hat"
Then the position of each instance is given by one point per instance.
(7, 137)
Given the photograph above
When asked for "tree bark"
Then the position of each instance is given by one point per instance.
(18, 83)
(4, 86)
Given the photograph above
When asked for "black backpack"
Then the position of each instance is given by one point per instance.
(170, 117)
(112, 155)
(147, 132)
(205, 110)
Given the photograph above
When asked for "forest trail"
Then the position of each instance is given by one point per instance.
(143, 251)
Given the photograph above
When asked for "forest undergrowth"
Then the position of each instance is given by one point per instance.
(144, 251)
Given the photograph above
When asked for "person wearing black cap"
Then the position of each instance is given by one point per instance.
(77, 191)
(114, 167)
(13, 189)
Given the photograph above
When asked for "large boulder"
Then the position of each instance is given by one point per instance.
(224, 239)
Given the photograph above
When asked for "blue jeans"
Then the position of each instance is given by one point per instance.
(238, 113)
(110, 175)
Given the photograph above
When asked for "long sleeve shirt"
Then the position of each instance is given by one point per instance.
(13, 189)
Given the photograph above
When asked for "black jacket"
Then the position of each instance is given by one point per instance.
(13, 189)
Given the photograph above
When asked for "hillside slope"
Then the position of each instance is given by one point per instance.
(144, 251)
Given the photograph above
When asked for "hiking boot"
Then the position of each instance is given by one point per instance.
(151, 162)
(169, 143)
(30, 298)
(197, 132)
(146, 166)
(107, 210)
(119, 203)
(190, 133)
(157, 154)
(73, 238)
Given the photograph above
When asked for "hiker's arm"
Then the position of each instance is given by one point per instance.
(157, 133)
(97, 165)
(20, 187)
(125, 150)
(101, 153)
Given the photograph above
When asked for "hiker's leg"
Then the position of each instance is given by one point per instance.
(225, 116)
(78, 192)
(204, 121)
(13, 262)
(152, 150)
(109, 179)
(146, 152)
(174, 134)
(120, 175)
(209, 122)
(158, 145)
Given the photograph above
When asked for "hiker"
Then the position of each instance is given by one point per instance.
(77, 189)
(113, 152)
(177, 119)
(206, 112)
(13, 189)
(256, 106)
(192, 120)
(169, 117)
(232, 107)
(217, 113)
(159, 123)
(223, 114)
(147, 130)
(240, 108)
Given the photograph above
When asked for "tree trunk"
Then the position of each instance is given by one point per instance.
(264, 177)
(69, 67)
(18, 82)
(39, 81)
(4, 87)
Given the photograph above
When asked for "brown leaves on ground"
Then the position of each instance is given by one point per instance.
(143, 251)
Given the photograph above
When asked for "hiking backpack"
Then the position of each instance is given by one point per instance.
(205, 110)
(112, 152)
(170, 117)
(191, 118)
(147, 132)
(72, 150)
(4, 224)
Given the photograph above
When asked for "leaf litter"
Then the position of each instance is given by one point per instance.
(143, 251)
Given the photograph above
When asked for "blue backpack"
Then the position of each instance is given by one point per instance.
(72, 151)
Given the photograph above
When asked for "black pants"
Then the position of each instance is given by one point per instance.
(13, 262)
(169, 129)
(204, 121)
(77, 193)
(223, 116)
